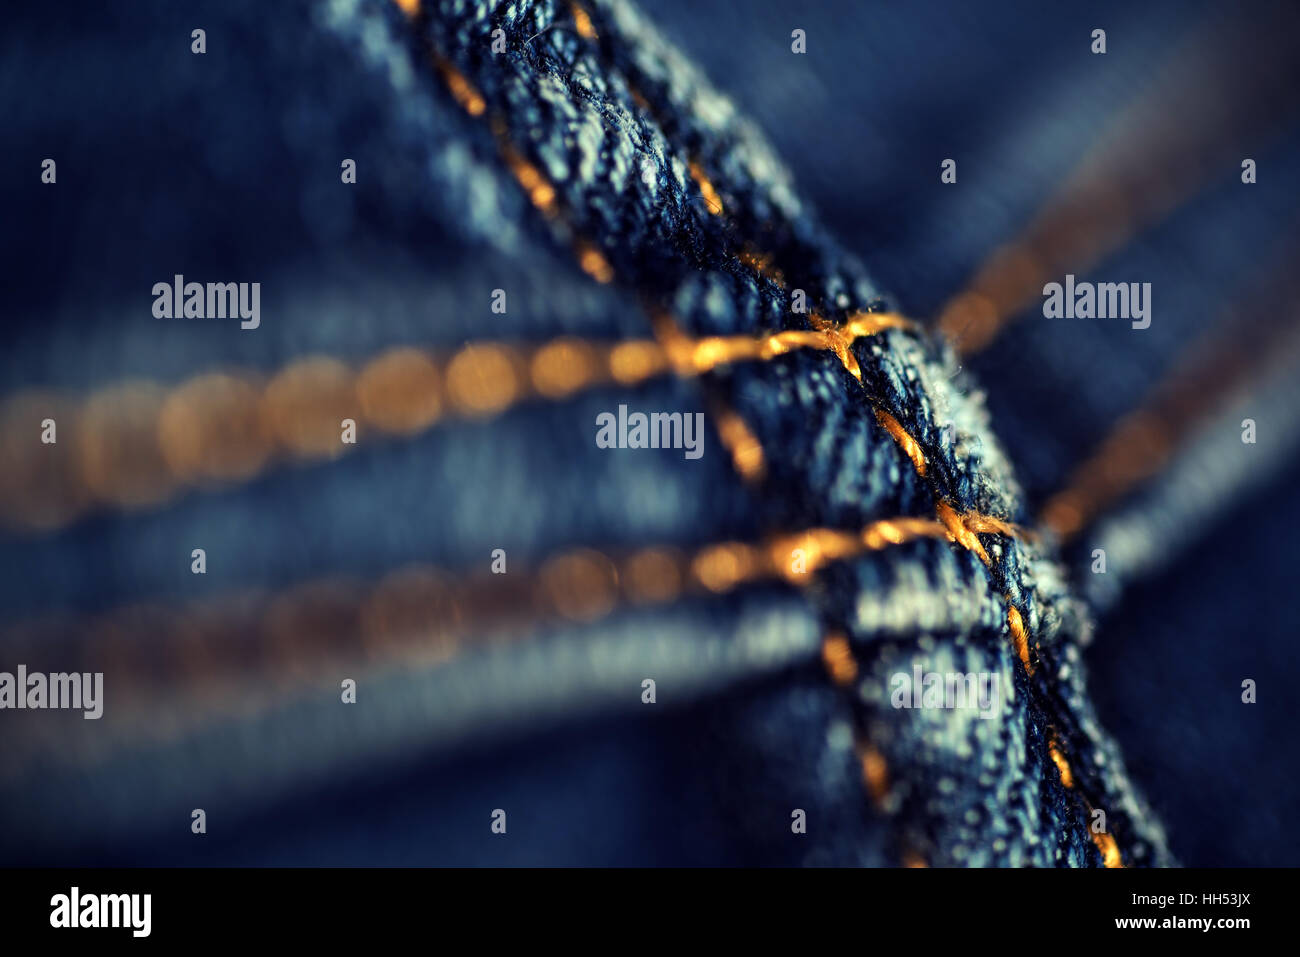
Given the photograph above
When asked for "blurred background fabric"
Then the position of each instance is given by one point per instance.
(609, 167)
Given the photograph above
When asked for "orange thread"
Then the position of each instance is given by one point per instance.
(593, 262)
(1062, 766)
(818, 546)
(1144, 166)
(414, 605)
(842, 668)
(462, 91)
(724, 566)
(745, 449)
(1252, 344)
(539, 189)
(761, 263)
(582, 22)
(228, 426)
(712, 201)
(1110, 854)
(701, 355)
(1016, 625)
(696, 356)
(875, 773)
(687, 356)
(838, 659)
(963, 530)
(908, 444)
(840, 344)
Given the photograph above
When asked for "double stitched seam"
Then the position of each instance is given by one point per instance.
(746, 451)
(421, 613)
(403, 391)
(963, 529)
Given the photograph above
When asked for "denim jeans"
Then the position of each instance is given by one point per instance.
(500, 587)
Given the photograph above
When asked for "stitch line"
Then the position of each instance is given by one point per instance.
(963, 529)
(1207, 376)
(840, 341)
(958, 529)
(1104, 842)
(837, 655)
(420, 613)
(402, 391)
(1141, 170)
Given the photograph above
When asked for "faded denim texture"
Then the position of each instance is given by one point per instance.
(225, 167)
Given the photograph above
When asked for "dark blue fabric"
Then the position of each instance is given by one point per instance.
(225, 166)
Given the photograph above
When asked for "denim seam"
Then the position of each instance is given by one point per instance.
(522, 373)
(1000, 568)
(684, 355)
(712, 570)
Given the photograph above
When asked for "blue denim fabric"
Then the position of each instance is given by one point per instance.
(226, 166)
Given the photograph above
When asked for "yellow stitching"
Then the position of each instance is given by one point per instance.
(747, 452)
(700, 355)
(1145, 439)
(135, 443)
(593, 262)
(462, 91)
(908, 444)
(539, 189)
(1016, 625)
(579, 584)
(960, 532)
(842, 668)
(582, 22)
(712, 201)
(761, 263)
(418, 615)
(688, 356)
(964, 530)
(1121, 186)
(743, 446)
(227, 426)
(302, 405)
(1062, 765)
(696, 356)
(840, 343)
(875, 773)
(1110, 853)
(838, 658)
(727, 565)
